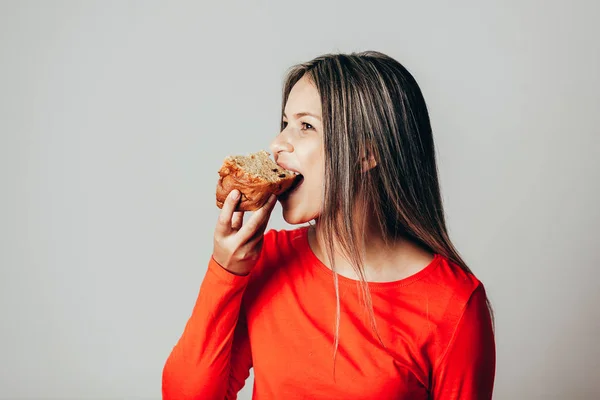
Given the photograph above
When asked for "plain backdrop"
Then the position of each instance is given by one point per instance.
(115, 117)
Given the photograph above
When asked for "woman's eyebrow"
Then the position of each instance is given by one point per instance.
(303, 114)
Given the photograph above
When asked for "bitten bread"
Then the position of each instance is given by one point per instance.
(256, 176)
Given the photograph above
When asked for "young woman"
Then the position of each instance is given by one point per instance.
(369, 300)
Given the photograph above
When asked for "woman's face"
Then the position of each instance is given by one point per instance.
(299, 147)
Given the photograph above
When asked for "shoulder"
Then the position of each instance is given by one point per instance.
(280, 242)
(278, 246)
(452, 285)
(460, 298)
(276, 239)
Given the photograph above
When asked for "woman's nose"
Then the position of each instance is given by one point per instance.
(281, 143)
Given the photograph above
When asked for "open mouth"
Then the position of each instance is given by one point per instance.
(295, 185)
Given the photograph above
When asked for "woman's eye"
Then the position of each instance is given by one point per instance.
(305, 126)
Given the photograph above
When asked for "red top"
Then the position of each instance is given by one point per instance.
(280, 320)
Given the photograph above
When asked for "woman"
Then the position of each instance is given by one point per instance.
(370, 300)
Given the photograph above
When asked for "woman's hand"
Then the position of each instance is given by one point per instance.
(237, 245)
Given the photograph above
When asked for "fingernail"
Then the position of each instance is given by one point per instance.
(235, 194)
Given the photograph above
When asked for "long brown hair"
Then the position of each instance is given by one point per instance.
(373, 106)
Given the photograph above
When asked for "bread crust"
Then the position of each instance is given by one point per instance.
(255, 191)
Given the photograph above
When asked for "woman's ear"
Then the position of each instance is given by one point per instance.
(367, 162)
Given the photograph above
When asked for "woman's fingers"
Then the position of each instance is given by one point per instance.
(224, 222)
(257, 222)
(238, 243)
(238, 220)
(258, 233)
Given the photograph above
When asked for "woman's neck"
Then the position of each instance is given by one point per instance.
(383, 261)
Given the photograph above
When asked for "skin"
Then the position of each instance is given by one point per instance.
(299, 147)
(237, 245)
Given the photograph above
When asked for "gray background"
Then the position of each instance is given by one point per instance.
(115, 116)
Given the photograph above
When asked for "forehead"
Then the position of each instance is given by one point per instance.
(303, 97)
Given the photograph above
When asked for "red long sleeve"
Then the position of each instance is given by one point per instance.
(435, 333)
(212, 358)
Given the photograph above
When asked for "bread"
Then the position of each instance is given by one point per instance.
(256, 176)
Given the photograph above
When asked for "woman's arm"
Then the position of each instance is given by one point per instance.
(241, 359)
(212, 358)
(466, 370)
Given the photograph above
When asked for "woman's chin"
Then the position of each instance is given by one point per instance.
(292, 219)
(295, 217)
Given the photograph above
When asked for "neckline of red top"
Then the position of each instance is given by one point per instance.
(304, 247)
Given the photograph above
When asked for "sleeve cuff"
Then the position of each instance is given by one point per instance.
(224, 275)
